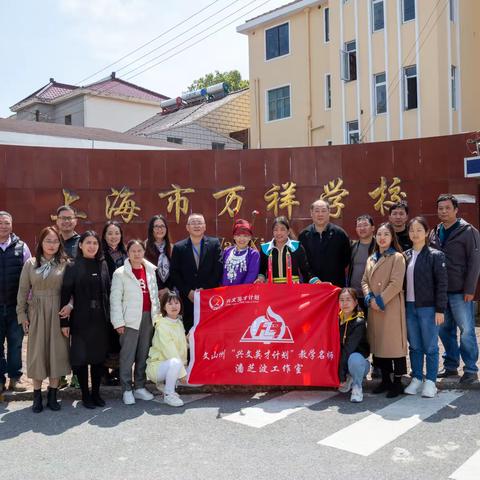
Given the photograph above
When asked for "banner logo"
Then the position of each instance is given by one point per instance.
(268, 328)
(216, 302)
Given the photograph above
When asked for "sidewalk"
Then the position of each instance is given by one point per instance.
(115, 392)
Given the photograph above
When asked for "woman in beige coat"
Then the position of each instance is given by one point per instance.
(382, 286)
(38, 305)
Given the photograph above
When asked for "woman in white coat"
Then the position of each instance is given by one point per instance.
(133, 304)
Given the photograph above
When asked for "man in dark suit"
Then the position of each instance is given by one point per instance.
(196, 264)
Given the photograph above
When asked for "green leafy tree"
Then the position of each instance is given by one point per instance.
(233, 78)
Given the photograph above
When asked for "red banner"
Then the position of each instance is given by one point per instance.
(266, 334)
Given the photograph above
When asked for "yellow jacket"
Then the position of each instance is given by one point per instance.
(168, 342)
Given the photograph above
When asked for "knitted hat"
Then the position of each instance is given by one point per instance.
(242, 227)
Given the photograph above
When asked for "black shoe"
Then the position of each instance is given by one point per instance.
(395, 390)
(37, 406)
(52, 403)
(444, 373)
(468, 378)
(87, 402)
(382, 387)
(97, 400)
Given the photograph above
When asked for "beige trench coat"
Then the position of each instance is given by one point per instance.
(387, 330)
(38, 301)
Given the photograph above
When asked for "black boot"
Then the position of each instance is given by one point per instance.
(52, 403)
(37, 406)
(82, 375)
(385, 385)
(396, 388)
(96, 373)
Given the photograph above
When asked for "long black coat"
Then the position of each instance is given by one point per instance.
(186, 276)
(89, 319)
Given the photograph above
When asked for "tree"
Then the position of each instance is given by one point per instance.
(233, 78)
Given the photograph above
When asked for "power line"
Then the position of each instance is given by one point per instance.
(195, 35)
(149, 42)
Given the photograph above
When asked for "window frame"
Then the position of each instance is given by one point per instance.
(405, 87)
(452, 7)
(326, 25)
(374, 3)
(348, 132)
(328, 91)
(267, 109)
(454, 86)
(218, 145)
(403, 12)
(176, 140)
(375, 93)
(346, 60)
(265, 41)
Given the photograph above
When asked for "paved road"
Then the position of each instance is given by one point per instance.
(293, 436)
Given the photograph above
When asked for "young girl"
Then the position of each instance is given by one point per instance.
(382, 286)
(168, 354)
(240, 261)
(426, 282)
(353, 366)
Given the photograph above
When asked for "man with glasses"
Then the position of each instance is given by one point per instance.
(13, 254)
(66, 223)
(196, 264)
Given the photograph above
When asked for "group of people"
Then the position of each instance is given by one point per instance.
(101, 308)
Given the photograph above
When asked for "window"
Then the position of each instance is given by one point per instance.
(329, 143)
(454, 87)
(410, 87)
(68, 119)
(377, 15)
(218, 146)
(328, 91)
(380, 93)
(278, 100)
(37, 115)
(326, 24)
(452, 10)
(349, 61)
(353, 135)
(408, 10)
(175, 140)
(276, 41)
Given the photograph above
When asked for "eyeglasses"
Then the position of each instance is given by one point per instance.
(196, 223)
(51, 242)
(66, 219)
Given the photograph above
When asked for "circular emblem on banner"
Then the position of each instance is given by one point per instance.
(216, 302)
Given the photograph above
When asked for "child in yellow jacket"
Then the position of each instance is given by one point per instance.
(167, 357)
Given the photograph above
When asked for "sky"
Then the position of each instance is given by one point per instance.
(71, 40)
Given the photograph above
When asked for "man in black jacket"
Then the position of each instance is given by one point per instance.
(398, 217)
(460, 242)
(196, 264)
(327, 246)
(13, 254)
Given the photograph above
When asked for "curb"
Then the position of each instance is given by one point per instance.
(115, 392)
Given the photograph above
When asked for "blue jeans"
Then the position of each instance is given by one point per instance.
(358, 367)
(422, 335)
(13, 333)
(459, 314)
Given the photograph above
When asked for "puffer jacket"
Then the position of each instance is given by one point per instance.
(126, 297)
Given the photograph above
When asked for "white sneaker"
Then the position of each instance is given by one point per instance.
(173, 400)
(128, 398)
(346, 387)
(357, 394)
(429, 389)
(414, 387)
(143, 394)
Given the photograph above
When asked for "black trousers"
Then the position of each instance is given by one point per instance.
(96, 372)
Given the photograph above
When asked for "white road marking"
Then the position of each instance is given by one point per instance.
(374, 432)
(270, 411)
(187, 398)
(470, 470)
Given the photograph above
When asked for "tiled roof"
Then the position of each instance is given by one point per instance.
(118, 87)
(48, 92)
(69, 131)
(181, 117)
